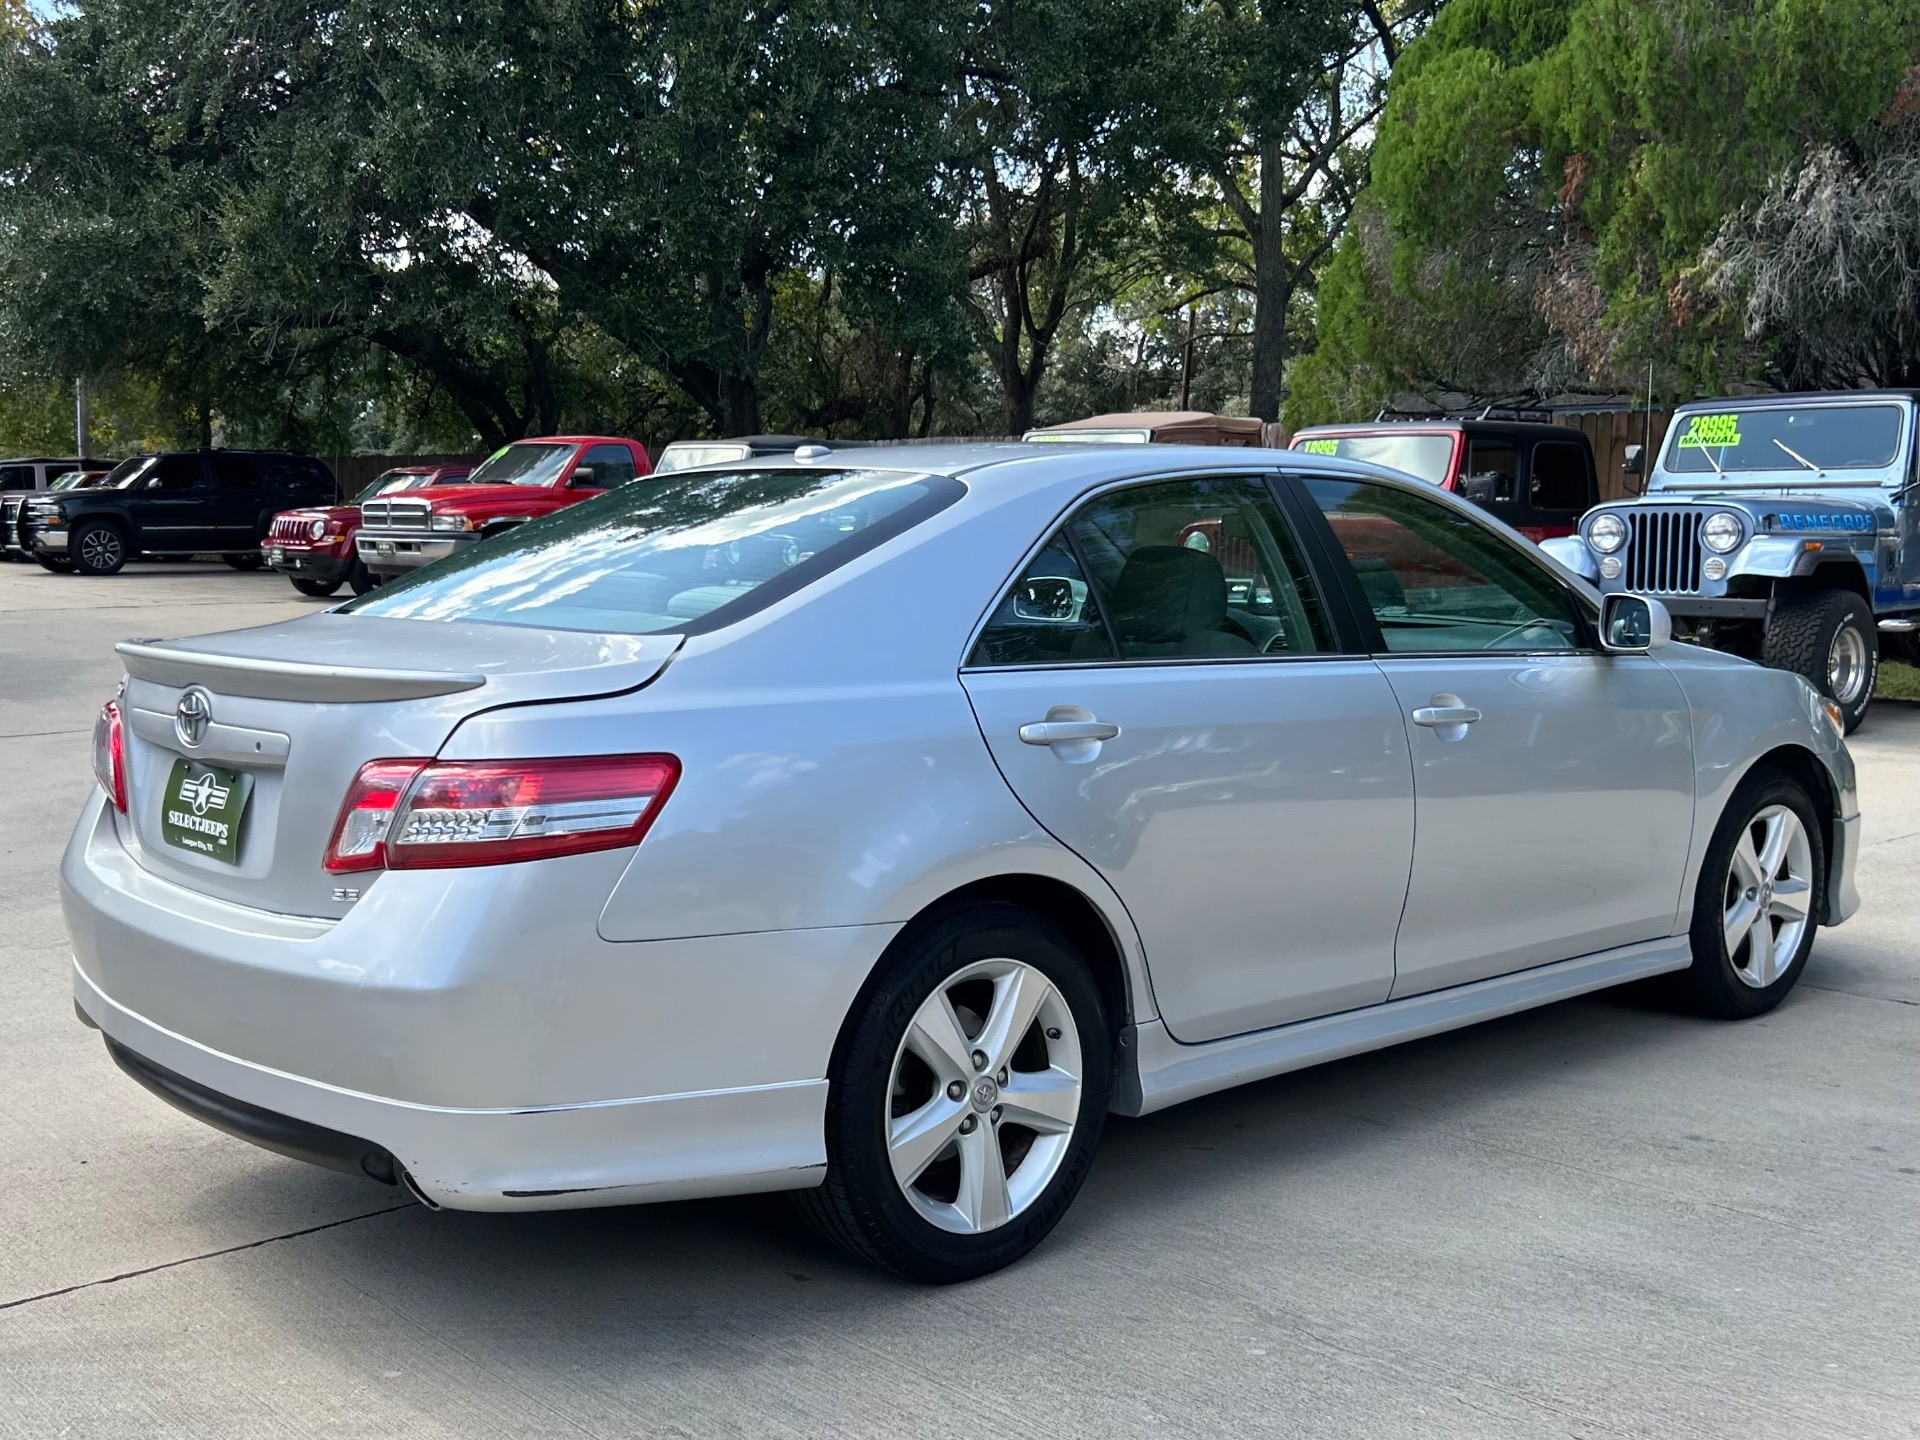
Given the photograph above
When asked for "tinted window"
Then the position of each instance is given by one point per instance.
(1559, 478)
(1183, 570)
(691, 552)
(1425, 455)
(166, 475)
(610, 465)
(1051, 616)
(1436, 581)
(301, 474)
(1825, 437)
(16, 477)
(235, 474)
(1492, 471)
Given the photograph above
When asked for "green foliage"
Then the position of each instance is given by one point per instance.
(1588, 153)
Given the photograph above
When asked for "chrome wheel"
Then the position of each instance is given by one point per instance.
(1847, 667)
(984, 1095)
(1768, 898)
(100, 548)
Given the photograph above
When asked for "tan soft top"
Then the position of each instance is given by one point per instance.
(1182, 427)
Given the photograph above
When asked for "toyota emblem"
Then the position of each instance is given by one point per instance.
(192, 716)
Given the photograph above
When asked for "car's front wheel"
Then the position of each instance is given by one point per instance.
(1761, 893)
(244, 560)
(58, 564)
(98, 548)
(967, 1095)
(360, 579)
(316, 588)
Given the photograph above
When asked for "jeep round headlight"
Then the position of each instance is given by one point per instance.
(1607, 533)
(1722, 532)
(316, 528)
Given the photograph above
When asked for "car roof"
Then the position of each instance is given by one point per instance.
(1795, 397)
(1519, 429)
(1010, 468)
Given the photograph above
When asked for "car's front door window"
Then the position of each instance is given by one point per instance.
(1436, 580)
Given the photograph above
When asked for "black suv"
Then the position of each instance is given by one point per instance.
(179, 503)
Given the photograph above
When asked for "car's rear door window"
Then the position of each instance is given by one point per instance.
(1438, 581)
(688, 553)
(1199, 568)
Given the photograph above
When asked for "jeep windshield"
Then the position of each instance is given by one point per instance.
(1735, 444)
(1427, 455)
(522, 465)
(691, 552)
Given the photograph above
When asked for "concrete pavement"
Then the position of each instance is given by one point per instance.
(1597, 1219)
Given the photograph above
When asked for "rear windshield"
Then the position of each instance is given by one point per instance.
(1784, 437)
(1425, 457)
(686, 553)
(523, 465)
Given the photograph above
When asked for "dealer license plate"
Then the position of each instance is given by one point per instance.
(276, 556)
(205, 809)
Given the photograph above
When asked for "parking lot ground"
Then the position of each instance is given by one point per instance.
(1596, 1219)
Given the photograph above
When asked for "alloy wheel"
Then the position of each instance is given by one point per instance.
(100, 548)
(984, 1096)
(1768, 896)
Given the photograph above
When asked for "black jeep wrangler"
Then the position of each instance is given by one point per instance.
(177, 503)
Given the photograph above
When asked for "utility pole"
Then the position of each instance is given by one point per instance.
(82, 419)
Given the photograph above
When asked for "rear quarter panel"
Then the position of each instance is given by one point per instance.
(833, 773)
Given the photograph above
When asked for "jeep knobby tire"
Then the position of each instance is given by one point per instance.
(1807, 633)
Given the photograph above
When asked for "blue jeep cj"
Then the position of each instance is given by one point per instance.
(1784, 528)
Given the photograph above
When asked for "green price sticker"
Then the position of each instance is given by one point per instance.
(1321, 447)
(1714, 432)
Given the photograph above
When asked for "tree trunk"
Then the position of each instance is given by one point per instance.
(1273, 288)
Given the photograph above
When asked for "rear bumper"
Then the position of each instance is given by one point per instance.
(397, 552)
(664, 1147)
(474, 1027)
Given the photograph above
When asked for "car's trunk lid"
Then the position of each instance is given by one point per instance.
(295, 709)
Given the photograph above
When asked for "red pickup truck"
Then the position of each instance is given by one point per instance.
(521, 482)
(314, 546)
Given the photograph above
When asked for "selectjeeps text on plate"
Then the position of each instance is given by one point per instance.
(872, 830)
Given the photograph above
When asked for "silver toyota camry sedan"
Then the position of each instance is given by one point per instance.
(872, 828)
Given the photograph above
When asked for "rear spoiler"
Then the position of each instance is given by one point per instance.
(285, 679)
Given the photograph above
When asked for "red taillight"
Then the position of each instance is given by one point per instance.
(411, 815)
(110, 755)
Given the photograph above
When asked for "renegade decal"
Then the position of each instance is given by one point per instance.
(1799, 520)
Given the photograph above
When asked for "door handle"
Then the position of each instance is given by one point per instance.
(1057, 732)
(1434, 716)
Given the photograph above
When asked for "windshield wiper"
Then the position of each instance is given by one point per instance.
(1708, 452)
(1798, 456)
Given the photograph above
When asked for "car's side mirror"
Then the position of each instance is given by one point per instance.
(1481, 489)
(1633, 624)
(1635, 461)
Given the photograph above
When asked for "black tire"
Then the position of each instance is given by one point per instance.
(316, 588)
(360, 579)
(97, 548)
(1712, 983)
(860, 1206)
(58, 564)
(244, 560)
(1804, 636)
